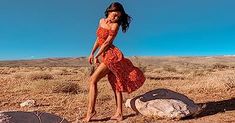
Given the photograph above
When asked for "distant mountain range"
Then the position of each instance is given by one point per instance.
(144, 60)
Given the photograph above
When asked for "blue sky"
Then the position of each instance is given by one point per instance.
(32, 29)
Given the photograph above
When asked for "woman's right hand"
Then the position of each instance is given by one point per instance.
(91, 58)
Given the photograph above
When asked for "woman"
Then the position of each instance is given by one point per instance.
(122, 74)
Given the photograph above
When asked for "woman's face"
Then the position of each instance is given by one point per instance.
(114, 16)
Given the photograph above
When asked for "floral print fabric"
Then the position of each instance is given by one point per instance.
(123, 75)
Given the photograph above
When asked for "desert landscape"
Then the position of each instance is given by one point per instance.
(59, 86)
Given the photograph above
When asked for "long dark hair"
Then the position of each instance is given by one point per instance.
(124, 20)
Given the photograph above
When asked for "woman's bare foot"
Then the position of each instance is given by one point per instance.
(88, 117)
(117, 116)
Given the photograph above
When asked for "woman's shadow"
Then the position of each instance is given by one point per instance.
(108, 118)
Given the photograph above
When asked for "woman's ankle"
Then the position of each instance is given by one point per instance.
(118, 113)
(91, 112)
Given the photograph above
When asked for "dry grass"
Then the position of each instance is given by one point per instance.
(169, 68)
(48, 86)
(40, 75)
(7, 70)
(66, 87)
(64, 90)
(220, 66)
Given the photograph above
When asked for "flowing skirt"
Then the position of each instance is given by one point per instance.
(123, 75)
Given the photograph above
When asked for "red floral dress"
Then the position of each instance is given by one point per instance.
(123, 75)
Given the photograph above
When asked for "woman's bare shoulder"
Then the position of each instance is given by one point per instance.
(101, 20)
(114, 26)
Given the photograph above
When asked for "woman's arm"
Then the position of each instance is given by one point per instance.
(108, 41)
(96, 45)
(91, 57)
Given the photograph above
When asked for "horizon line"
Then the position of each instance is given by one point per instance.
(28, 59)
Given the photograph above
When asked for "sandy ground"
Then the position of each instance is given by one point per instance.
(63, 90)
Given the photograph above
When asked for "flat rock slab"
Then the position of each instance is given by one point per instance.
(164, 103)
(30, 117)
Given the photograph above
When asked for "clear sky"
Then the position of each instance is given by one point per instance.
(32, 29)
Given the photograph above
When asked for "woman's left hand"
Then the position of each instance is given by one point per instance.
(96, 61)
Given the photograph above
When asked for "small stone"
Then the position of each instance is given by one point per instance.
(29, 103)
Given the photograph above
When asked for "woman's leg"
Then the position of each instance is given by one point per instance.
(118, 100)
(118, 115)
(99, 73)
(113, 88)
